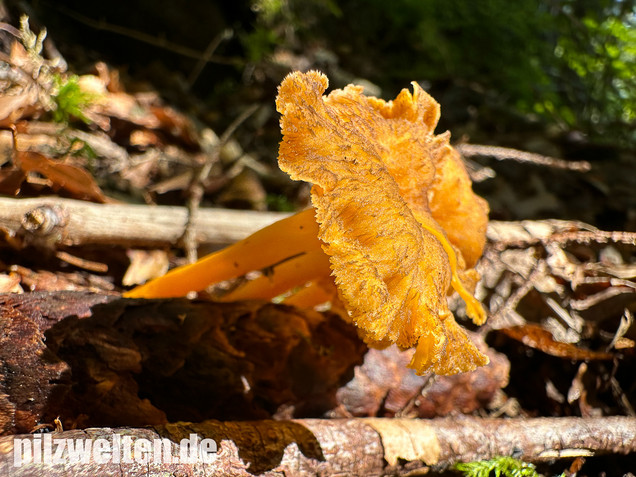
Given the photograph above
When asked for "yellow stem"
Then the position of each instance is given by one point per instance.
(288, 237)
(283, 277)
(315, 293)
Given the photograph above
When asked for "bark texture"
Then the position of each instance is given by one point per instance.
(58, 221)
(354, 447)
(96, 360)
(99, 360)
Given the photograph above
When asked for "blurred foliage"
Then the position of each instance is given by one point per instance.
(279, 203)
(596, 74)
(567, 62)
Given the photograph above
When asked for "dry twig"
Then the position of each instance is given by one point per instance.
(503, 153)
(74, 222)
(197, 188)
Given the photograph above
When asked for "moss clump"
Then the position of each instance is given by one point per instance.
(70, 100)
(499, 467)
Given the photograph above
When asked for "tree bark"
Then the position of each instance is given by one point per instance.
(96, 360)
(101, 360)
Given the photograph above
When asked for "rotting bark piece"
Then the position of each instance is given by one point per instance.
(100, 360)
(31, 376)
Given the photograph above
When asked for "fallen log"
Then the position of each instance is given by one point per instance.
(99, 360)
(354, 447)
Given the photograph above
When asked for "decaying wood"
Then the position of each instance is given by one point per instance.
(100, 360)
(97, 360)
(354, 447)
(72, 222)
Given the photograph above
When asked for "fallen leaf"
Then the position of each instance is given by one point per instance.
(79, 183)
(10, 283)
(176, 124)
(145, 265)
(535, 336)
(383, 387)
(11, 181)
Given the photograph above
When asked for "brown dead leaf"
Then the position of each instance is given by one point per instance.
(126, 107)
(45, 280)
(79, 183)
(11, 180)
(145, 265)
(176, 124)
(383, 386)
(10, 283)
(535, 336)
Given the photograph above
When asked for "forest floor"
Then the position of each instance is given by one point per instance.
(558, 279)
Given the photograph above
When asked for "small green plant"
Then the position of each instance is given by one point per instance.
(499, 467)
(279, 203)
(70, 100)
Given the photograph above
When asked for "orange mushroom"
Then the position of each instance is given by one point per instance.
(396, 224)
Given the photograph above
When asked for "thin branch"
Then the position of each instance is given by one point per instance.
(149, 39)
(208, 54)
(197, 186)
(73, 222)
(503, 153)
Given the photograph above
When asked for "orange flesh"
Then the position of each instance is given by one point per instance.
(310, 296)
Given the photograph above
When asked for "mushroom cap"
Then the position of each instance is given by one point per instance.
(387, 192)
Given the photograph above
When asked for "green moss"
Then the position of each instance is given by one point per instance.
(70, 100)
(499, 467)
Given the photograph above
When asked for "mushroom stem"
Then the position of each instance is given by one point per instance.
(283, 277)
(273, 244)
(314, 293)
